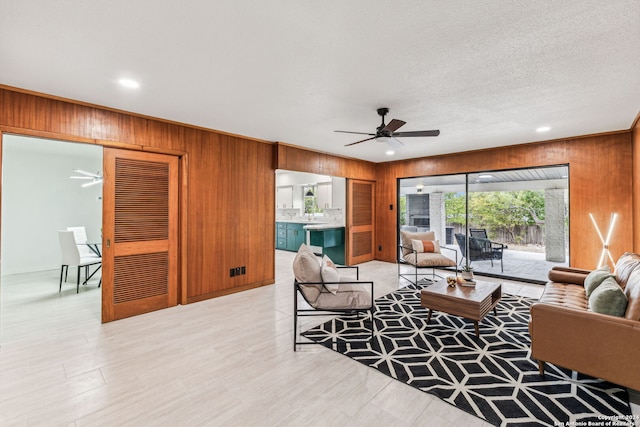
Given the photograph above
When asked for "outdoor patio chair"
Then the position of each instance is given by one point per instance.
(319, 284)
(421, 251)
(480, 248)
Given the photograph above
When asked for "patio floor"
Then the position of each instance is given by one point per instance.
(517, 264)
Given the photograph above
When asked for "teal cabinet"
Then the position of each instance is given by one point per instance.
(332, 242)
(290, 235)
(295, 236)
(281, 235)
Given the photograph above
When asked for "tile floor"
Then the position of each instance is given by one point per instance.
(221, 362)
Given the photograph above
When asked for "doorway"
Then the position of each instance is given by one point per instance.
(38, 199)
(30, 221)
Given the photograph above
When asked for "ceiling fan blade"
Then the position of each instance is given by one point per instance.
(395, 143)
(417, 133)
(358, 142)
(86, 173)
(393, 125)
(357, 133)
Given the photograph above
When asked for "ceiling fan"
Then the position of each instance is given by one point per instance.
(94, 178)
(387, 133)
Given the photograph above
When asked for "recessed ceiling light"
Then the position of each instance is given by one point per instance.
(390, 153)
(132, 84)
(485, 177)
(543, 129)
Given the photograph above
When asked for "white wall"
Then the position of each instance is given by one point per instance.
(38, 199)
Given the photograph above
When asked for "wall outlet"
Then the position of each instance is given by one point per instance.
(237, 271)
(380, 247)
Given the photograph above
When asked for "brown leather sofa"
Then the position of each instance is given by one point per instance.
(565, 332)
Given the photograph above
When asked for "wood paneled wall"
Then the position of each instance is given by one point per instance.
(229, 181)
(635, 134)
(600, 182)
(302, 160)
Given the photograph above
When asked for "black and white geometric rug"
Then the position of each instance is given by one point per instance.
(492, 377)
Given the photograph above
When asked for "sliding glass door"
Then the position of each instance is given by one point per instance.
(511, 224)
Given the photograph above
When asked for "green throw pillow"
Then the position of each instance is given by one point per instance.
(595, 278)
(608, 298)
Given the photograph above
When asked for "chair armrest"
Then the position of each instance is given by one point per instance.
(345, 282)
(596, 344)
(574, 276)
(454, 251)
(351, 267)
(409, 248)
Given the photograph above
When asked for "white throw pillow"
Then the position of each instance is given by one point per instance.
(329, 273)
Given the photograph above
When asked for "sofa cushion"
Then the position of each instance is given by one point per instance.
(608, 298)
(329, 273)
(595, 278)
(306, 268)
(566, 295)
(632, 291)
(406, 237)
(626, 265)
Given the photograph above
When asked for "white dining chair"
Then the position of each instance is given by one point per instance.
(85, 248)
(71, 256)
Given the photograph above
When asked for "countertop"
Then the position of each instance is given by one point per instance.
(300, 221)
(318, 226)
(313, 225)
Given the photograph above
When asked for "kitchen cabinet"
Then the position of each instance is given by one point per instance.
(331, 240)
(284, 197)
(289, 236)
(324, 195)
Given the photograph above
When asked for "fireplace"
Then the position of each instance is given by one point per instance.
(420, 220)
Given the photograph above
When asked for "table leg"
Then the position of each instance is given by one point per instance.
(475, 324)
(429, 315)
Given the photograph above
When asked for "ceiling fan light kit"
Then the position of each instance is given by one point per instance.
(387, 132)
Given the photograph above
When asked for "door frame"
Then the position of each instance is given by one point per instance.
(183, 167)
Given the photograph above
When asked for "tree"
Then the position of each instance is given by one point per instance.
(508, 211)
(455, 208)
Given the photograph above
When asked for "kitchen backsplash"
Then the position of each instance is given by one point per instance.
(330, 215)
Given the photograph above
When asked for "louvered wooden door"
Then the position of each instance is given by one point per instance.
(360, 221)
(140, 233)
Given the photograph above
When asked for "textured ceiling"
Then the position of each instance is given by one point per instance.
(486, 73)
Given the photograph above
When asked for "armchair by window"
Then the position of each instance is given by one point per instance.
(421, 251)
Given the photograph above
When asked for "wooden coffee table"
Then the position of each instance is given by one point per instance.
(472, 303)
